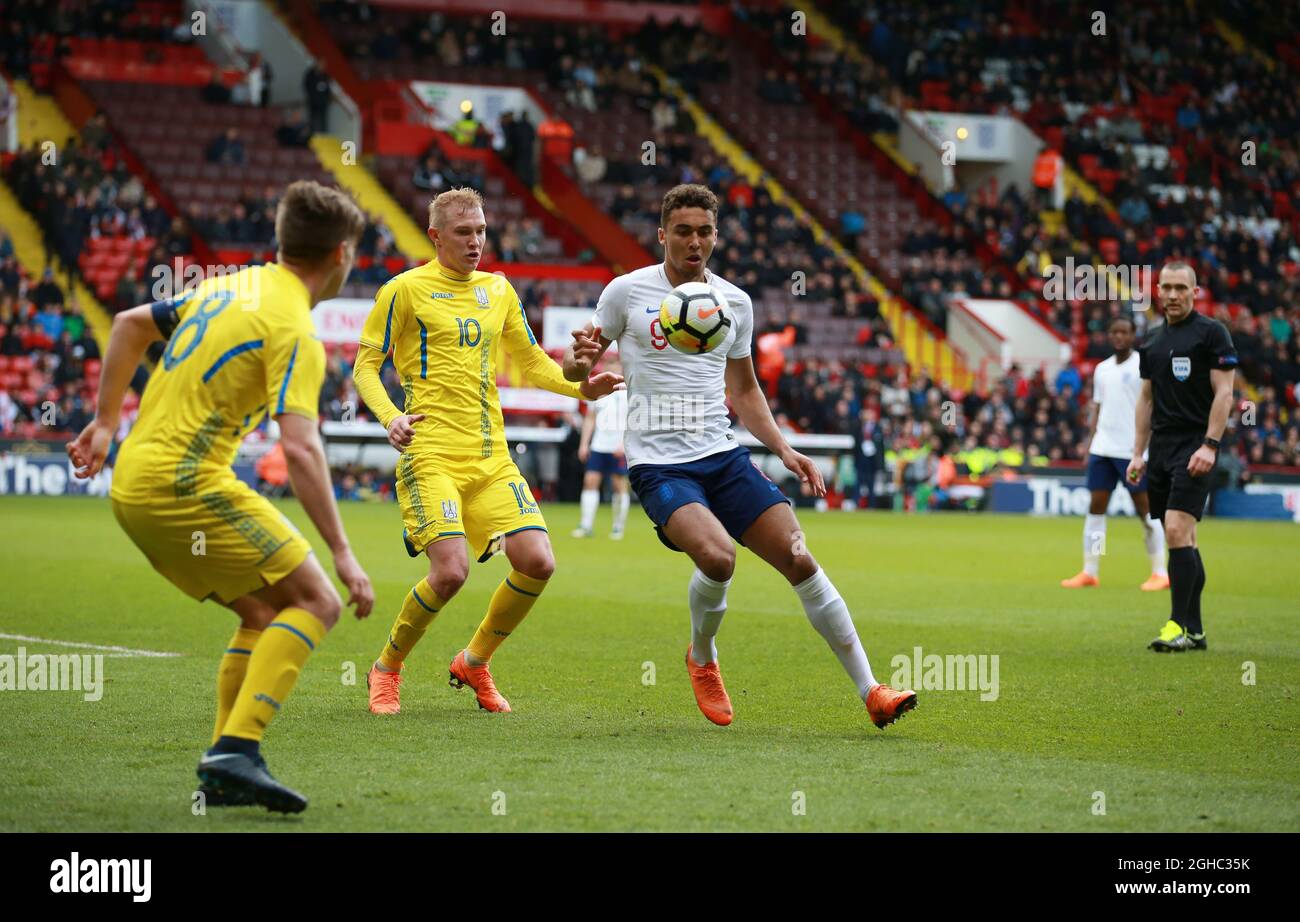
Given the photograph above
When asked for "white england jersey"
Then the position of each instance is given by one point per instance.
(1116, 388)
(611, 419)
(677, 408)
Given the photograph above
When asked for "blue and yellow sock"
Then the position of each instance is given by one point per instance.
(509, 606)
(273, 669)
(230, 674)
(419, 608)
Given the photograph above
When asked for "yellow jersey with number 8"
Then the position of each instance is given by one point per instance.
(239, 348)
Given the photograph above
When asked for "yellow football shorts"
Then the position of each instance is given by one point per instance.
(224, 542)
(481, 499)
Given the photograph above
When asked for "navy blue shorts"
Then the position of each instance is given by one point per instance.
(729, 484)
(603, 462)
(1105, 473)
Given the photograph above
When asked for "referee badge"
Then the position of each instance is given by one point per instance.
(481, 293)
(1182, 367)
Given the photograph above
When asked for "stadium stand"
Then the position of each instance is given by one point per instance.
(1145, 128)
(572, 68)
(1148, 122)
(49, 360)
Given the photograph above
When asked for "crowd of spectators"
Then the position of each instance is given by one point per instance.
(24, 23)
(1164, 111)
(904, 424)
(84, 189)
(84, 192)
(1024, 419)
(764, 244)
(45, 347)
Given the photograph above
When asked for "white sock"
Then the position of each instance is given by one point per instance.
(621, 502)
(1094, 542)
(708, 600)
(830, 617)
(1154, 535)
(590, 502)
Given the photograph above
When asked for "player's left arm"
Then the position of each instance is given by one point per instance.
(295, 373)
(750, 404)
(1094, 407)
(588, 428)
(133, 332)
(539, 368)
(1221, 381)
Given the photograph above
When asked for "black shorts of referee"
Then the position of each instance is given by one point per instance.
(1169, 484)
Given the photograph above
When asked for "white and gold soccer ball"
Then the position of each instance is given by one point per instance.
(694, 318)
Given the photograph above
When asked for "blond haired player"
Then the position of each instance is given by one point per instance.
(459, 491)
(239, 348)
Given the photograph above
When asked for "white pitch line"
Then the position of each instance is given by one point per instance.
(112, 651)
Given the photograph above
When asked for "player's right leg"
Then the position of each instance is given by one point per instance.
(254, 615)
(1102, 478)
(305, 606)
(231, 545)
(621, 501)
(589, 501)
(775, 537)
(448, 570)
(433, 524)
(1153, 535)
(692, 528)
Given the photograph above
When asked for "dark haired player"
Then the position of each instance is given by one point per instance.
(1115, 388)
(239, 348)
(697, 485)
(1187, 370)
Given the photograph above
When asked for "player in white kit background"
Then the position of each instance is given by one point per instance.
(694, 481)
(601, 450)
(1115, 388)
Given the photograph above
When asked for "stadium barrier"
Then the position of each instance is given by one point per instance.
(33, 469)
(45, 473)
(1067, 494)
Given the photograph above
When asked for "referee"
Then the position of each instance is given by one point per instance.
(1187, 367)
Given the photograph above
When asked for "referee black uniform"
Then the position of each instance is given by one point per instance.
(1178, 359)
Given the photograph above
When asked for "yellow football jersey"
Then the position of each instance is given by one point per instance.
(241, 347)
(442, 327)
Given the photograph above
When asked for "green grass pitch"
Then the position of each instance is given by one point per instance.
(1174, 742)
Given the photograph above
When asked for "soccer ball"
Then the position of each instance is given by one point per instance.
(694, 318)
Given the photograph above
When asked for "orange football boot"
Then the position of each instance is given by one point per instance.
(886, 705)
(1081, 580)
(1155, 582)
(478, 678)
(384, 691)
(710, 694)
